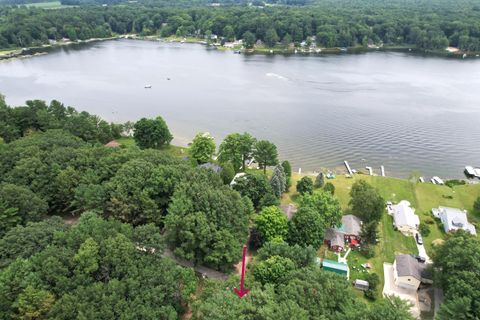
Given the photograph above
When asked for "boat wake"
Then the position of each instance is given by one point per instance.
(274, 75)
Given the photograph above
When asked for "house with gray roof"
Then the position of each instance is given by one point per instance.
(349, 232)
(453, 219)
(408, 273)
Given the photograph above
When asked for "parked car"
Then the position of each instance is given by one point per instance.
(419, 258)
(419, 238)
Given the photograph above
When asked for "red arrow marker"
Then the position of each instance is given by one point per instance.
(242, 291)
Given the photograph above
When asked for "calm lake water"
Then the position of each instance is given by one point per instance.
(402, 111)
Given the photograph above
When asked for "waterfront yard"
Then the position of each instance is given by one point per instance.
(422, 196)
(171, 149)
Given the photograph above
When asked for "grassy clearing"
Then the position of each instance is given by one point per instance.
(6, 52)
(175, 151)
(47, 5)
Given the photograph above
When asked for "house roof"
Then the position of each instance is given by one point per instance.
(337, 240)
(409, 266)
(404, 215)
(212, 166)
(351, 225)
(334, 265)
(289, 210)
(113, 144)
(454, 219)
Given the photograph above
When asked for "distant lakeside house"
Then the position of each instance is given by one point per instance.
(347, 234)
(453, 219)
(404, 218)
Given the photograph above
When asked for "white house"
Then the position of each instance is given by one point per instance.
(234, 180)
(408, 273)
(453, 219)
(404, 217)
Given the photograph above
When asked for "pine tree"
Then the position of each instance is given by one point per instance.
(278, 181)
(320, 180)
(277, 186)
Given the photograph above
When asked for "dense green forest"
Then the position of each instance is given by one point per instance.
(125, 206)
(426, 25)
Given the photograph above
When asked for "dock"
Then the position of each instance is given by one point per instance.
(370, 170)
(350, 172)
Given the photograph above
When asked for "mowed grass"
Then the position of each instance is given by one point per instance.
(422, 196)
(175, 151)
(4, 52)
(47, 5)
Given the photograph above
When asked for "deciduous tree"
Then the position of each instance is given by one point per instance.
(271, 223)
(265, 154)
(305, 185)
(152, 133)
(207, 224)
(202, 148)
(366, 202)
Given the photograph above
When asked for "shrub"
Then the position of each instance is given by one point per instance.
(373, 281)
(367, 250)
(227, 173)
(429, 220)
(476, 205)
(329, 187)
(320, 180)
(455, 182)
(305, 185)
(424, 229)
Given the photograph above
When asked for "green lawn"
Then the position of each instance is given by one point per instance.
(171, 149)
(47, 5)
(422, 196)
(4, 52)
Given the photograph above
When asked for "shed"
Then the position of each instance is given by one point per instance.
(361, 284)
(336, 267)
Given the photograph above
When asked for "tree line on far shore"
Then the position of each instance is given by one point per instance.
(329, 23)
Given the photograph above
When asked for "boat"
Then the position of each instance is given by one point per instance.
(148, 86)
(237, 52)
(437, 180)
(472, 172)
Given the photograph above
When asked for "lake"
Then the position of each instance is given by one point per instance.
(406, 112)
